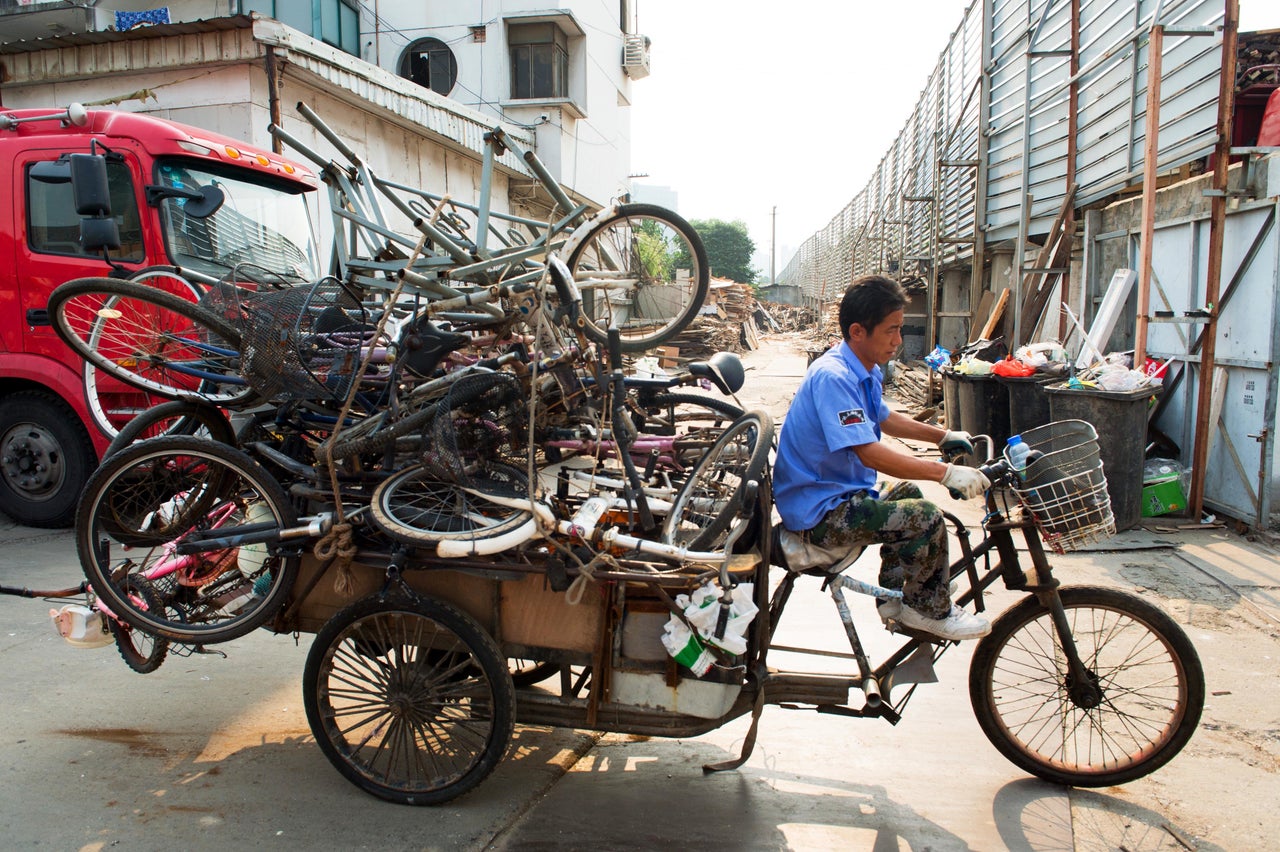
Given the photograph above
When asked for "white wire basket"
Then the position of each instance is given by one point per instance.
(1063, 488)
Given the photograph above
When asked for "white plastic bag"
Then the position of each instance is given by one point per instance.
(702, 610)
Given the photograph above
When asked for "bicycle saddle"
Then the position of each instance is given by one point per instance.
(803, 556)
(425, 346)
(723, 369)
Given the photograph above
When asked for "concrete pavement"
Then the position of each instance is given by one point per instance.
(210, 752)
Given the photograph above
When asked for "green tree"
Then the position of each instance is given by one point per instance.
(655, 253)
(729, 248)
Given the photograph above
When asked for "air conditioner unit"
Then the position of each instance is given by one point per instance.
(635, 55)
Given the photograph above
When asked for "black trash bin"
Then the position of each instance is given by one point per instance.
(1028, 403)
(984, 407)
(951, 399)
(1120, 419)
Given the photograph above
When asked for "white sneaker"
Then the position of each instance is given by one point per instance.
(889, 609)
(959, 624)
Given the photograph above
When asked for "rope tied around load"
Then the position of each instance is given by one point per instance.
(338, 546)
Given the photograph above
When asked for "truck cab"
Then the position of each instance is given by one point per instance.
(57, 416)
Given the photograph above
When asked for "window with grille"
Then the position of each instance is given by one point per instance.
(539, 61)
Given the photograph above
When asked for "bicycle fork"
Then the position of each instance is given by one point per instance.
(1081, 682)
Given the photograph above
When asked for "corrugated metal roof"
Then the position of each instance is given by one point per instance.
(239, 22)
(83, 55)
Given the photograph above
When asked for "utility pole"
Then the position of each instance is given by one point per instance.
(773, 246)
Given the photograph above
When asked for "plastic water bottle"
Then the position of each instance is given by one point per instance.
(1016, 451)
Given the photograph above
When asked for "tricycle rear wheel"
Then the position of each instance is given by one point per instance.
(409, 699)
(1141, 706)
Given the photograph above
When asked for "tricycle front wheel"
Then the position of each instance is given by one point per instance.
(409, 699)
(1139, 708)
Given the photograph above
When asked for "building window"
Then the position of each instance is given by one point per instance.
(430, 63)
(336, 22)
(539, 61)
(54, 226)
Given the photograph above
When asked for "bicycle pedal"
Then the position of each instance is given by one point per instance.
(895, 626)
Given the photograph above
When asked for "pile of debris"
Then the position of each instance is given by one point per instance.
(790, 317)
(726, 323)
(914, 385)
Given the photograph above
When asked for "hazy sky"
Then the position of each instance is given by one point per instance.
(753, 105)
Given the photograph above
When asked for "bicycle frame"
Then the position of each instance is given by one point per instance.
(354, 192)
(877, 683)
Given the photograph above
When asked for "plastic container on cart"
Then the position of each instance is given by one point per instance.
(984, 407)
(1120, 418)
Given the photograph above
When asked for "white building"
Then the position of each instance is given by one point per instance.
(410, 86)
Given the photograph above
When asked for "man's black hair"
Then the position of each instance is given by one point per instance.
(868, 301)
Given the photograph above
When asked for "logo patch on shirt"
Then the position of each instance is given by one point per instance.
(852, 417)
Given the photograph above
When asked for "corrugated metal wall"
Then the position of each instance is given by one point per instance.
(888, 227)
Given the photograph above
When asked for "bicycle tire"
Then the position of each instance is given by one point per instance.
(695, 422)
(193, 485)
(704, 509)
(1153, 704)
(141, 651)
(409, 699)
(164, 272)
(415, 508)
(672, 413)
(610, 250)
(175, 417)
(150, 339)
(526, 672)
(103, 407)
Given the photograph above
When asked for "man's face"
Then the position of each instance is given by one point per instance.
(879, 345)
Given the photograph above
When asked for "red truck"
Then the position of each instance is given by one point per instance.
(56, 417)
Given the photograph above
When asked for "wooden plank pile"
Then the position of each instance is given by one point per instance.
(1255, 49)
(792, 317)
(910, 386)
(725, 323)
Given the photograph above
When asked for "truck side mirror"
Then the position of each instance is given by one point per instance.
(92, 196)
(98, 234)
(51, 171)
(89, 185)
(201, 203)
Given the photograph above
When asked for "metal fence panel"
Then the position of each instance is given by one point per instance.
(1026, 127)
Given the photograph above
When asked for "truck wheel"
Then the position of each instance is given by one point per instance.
(45, 458)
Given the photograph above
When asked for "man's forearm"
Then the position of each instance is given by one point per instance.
(899, 425)
(890, 462)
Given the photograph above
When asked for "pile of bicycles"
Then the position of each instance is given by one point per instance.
(442, 464)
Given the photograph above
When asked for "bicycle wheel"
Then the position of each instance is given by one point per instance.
(645, 270)
(529, 672)
(173, 492)
(704, 509)
(151, 339)
(112, 404)
(410, 700)
(417, 508)
(141, 651)
(682, 413)
(1147, 676)
(175, 417)
(696, 422)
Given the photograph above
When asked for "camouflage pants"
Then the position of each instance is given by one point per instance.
(912, 535)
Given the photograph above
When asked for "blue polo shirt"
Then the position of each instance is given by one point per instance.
(839, 406)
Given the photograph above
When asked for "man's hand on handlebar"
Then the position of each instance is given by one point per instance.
(956, 443)
(965, 483)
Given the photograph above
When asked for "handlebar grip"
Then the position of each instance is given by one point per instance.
(995, 470)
